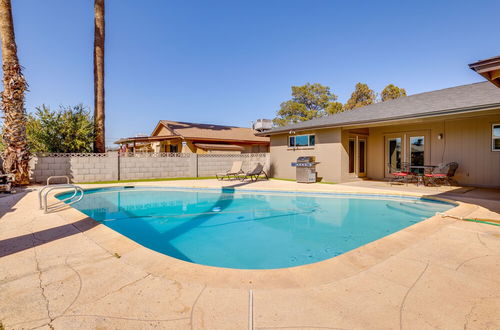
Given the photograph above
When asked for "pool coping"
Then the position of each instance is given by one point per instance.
(337, 268)
(307, 192)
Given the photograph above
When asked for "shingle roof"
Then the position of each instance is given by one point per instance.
(212, 132)
(476, 96)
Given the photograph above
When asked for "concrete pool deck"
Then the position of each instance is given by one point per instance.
(63, 270)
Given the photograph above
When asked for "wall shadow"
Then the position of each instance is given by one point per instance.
(486, 197)
(20, 243)
(162, 242)
(8, 201)
(222, 203)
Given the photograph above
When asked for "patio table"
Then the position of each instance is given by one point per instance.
(420, 176)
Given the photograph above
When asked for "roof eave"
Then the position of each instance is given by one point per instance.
(144, 139)
(198, 138)
(385, 120)
(489, 69)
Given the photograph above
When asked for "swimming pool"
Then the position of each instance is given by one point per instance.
(251, 229)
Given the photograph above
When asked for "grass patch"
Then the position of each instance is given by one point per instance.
(150, 180)
(322, 182)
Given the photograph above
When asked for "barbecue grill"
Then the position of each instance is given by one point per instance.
(306, 169)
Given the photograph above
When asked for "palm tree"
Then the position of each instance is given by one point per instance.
(16, 155)
(99, 142)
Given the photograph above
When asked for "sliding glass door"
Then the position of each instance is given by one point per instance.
(394, 152)
(407, 149)
(417, 153)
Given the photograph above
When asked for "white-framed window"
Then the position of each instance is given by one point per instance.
(306, 140)
(495, 137)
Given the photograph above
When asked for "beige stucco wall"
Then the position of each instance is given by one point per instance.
(328, 151)
(466, 141)
(162, 131)
(189, 147)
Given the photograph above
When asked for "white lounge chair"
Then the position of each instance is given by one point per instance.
(233, 172)
(254, 175)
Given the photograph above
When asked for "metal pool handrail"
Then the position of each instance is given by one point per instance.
(58, 177)
(51, 185)
(44, 192)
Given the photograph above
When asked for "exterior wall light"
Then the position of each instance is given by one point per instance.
(440, 136)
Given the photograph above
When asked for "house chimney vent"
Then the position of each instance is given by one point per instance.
(261, 125)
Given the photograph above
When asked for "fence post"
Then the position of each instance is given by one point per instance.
(196, 164)
(118, 165)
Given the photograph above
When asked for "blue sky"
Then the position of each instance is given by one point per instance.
(231, 62)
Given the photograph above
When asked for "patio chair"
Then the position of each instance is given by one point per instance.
(6, 180)
(442, 174)
(254, 175)
(233, 172)
(402, 175)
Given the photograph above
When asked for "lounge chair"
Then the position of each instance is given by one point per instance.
(254, 175)
(442, 174)
(233, 172)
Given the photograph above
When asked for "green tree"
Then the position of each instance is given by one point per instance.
(392, 92)
(70, 129)
(334, 107)
(361, 96)
(308, 101)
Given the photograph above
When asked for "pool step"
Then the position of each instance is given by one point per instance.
(408, 210)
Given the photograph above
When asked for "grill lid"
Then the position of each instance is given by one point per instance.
(306, 159)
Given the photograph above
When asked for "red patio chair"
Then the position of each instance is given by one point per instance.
(442, 175)
(402, 175)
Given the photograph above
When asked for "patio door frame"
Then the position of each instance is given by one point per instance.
(406, 147)
(357, 139)
(427, 145)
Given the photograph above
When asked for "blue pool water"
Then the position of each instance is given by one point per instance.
(251, 230)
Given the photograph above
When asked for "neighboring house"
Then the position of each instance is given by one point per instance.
(172, 136)
(459, 124)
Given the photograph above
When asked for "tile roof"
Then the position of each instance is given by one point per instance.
(212, 132)
(475, 96)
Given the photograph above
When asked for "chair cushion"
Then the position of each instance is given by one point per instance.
(437, 175)
(399, 173)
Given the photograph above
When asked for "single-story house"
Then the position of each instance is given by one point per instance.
(173, 136)
(458, 124)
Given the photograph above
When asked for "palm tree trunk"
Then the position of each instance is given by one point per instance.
(16, 155)
(99, 142)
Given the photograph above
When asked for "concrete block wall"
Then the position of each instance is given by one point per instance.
(110, 167)
(78, 167)
(147, 167)
(211, 164)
